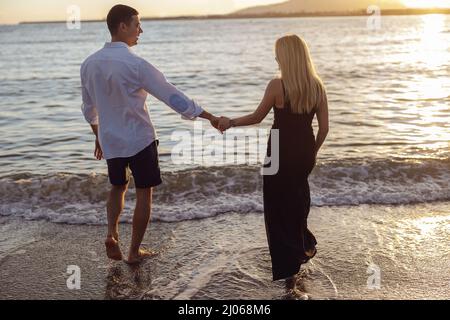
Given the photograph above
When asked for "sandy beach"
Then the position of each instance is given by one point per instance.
(226, 257)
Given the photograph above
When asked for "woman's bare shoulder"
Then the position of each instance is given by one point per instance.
(274, 86)
(275, 82)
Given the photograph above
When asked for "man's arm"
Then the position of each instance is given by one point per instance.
(88, 107)
(156, 84)
(94, 128)
(91, 116)
(98, 152)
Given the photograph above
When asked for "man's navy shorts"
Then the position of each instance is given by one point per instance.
(144, 166)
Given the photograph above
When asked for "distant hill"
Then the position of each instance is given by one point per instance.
(320, 6)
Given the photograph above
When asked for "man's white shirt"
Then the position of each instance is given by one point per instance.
(115, 82)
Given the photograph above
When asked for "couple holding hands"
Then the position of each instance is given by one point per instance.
(115, 83)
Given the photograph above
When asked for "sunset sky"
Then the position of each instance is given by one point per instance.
(13, 11)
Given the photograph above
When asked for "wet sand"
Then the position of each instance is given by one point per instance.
(226, 257)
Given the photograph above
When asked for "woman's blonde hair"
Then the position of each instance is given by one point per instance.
(304, 88)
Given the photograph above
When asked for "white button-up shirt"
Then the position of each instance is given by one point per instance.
(115, 82)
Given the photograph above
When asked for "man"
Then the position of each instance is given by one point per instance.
(115, 82)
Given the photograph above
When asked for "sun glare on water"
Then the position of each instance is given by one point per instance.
(427, 3)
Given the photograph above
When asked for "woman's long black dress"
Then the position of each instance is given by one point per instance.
(286, 194)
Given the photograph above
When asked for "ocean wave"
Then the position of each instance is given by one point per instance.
(205, 192)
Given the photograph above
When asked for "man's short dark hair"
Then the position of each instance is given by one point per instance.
(118, 14)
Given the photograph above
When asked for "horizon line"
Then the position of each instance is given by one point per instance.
(361, 12)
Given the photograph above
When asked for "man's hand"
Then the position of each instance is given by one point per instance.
(98, 153)
(224, 124)
(214, 122)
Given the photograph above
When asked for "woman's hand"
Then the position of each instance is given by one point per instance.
(224, 124)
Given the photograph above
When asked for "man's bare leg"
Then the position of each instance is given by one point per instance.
(140, 222)
(115, 204)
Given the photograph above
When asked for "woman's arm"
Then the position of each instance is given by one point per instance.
(322, 119)
(258, 115)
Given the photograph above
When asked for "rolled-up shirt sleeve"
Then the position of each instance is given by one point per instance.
(87, 107)
(156, 84)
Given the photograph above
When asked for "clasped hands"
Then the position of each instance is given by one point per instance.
(221, 123)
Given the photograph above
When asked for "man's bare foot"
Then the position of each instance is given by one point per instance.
(112, 249)
(142, 254)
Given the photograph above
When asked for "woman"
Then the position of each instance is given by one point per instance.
(295, 97)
